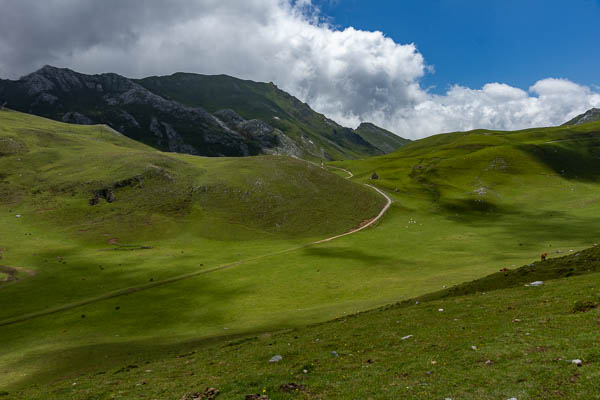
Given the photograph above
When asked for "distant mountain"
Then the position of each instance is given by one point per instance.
(188, 113)
(318, 135)
(382, 139)
(590, 115)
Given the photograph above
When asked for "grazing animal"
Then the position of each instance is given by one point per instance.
(543, 256)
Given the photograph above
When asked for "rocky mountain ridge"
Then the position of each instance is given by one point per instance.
(590, 115)
(169, 122)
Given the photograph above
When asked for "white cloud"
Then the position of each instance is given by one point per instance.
(351, 75)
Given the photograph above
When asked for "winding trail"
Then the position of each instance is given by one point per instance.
(134, 289)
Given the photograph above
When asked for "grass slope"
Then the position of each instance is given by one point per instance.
(173, 214)
(486, 339)
(384, 140)
(466, 205)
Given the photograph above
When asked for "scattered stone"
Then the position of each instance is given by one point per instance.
(577, 362)
(489, 362)
(516, 320)
(191, 396)
(335, 354)
(291, 387)
(536, 283)
(407, 337)
(474, 348)
(584, 306)
(209, 394)
(440, 309)
(18, 215)
(416, 302)
(275, 358)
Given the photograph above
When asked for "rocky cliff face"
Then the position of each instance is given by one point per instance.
(130, 108)
(590, 115)
(191, 113)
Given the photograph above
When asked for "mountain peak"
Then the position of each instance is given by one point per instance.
(591, 115)
(367, 125)
(49, 71)
(382, 139)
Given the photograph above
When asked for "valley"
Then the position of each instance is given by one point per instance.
(136, 255)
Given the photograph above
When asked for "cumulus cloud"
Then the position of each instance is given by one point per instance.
(350, 75)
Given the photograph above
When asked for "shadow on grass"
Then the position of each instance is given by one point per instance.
(584, 262)
(344, 253)
(112, 360)
(576, 159)
(177, 308)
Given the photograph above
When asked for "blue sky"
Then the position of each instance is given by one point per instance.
(473, 42)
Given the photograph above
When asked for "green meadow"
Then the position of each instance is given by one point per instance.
(492, 338)
(195, 253)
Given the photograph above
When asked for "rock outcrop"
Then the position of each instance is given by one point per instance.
(135, 111)
(590, 115)
(177, 113)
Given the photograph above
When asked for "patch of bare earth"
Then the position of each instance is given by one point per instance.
(13, 274)
(365, 222)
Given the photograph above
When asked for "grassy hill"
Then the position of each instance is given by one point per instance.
(384, 140)
(173, 266)
(496, 337)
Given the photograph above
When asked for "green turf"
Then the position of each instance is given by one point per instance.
(510, 341)
(466, 205)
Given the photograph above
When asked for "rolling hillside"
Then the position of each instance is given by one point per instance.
(384, 140)
(190, 113)
(192, 253)
(494, 338)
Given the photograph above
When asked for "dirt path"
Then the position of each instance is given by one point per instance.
(371, 222)
(134, 289)
(350, 174)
